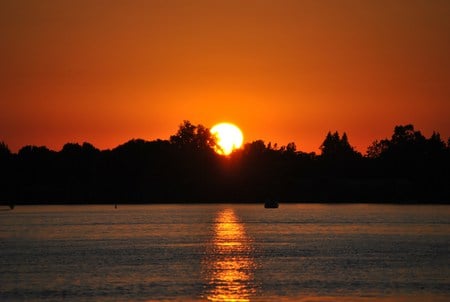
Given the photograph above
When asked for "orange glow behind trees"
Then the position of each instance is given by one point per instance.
(284, 71)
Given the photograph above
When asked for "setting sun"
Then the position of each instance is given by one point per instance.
(229, 137)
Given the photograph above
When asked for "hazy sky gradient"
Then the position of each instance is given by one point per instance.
(108, 71)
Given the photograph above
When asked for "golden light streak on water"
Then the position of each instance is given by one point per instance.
(229, 262)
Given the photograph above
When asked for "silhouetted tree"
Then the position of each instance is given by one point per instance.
(291, 148)
(29, 150)
(6, 171)
(4, 150)
(329, 145)
(407, 144)
(377, 148)
(336, 147)
(193, 137)
(435, 144)
(35, 174)
(79, 157)
(404, 134)
(185, 134)
(417, 165)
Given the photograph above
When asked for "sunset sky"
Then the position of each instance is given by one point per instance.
(108, 71)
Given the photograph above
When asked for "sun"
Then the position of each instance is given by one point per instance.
(229, 137)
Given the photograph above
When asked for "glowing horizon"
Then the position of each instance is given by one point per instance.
(289, 71)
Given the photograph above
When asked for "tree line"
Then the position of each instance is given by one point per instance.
(408, 167)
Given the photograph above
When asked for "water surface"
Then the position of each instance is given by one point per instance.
(225, 253)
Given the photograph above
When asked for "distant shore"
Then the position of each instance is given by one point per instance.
(406, 169)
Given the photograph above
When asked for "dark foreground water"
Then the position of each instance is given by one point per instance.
(225, 253)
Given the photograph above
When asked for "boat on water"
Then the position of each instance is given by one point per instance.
(271, 204)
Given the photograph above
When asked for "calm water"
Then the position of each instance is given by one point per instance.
(225, 253)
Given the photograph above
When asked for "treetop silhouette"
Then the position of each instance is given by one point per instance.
(407, 167)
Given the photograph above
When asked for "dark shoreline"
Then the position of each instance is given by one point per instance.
(406, 169)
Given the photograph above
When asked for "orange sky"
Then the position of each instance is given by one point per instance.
(108, 71)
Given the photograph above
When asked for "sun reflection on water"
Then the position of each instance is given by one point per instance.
(229, 262)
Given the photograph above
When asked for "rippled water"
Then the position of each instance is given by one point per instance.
(225, 253)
